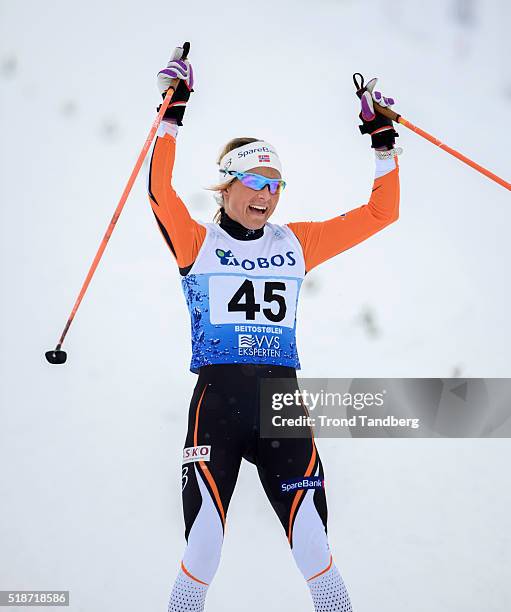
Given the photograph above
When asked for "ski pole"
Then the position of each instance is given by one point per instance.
(387, 112)
(58, 356)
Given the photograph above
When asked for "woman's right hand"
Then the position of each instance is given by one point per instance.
(176, 69)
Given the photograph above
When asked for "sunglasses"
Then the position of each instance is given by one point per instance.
(258, 182)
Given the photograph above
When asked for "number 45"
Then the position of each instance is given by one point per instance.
(250, 307)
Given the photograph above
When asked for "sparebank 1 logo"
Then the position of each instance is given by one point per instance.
(227, 258)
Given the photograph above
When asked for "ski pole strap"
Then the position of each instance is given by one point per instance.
(358, 79)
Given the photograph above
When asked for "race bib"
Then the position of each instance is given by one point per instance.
(242, 300)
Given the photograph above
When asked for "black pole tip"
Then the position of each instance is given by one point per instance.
(56, 356)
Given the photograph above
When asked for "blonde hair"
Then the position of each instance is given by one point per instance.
(219, 187)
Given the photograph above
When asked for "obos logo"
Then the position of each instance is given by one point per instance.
(227, 258)
(196, 453)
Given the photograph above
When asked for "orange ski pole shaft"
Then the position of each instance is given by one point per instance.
(387, 112)
(452, 151)
(57, 355)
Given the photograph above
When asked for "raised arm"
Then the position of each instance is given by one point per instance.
(321, 240)
(183, 235)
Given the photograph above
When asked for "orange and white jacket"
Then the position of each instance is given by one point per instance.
(227, 282)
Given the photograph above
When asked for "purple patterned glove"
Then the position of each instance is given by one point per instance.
(176, 69)
(366, 102)
(380, 128)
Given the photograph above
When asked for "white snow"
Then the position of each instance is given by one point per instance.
(90, 451)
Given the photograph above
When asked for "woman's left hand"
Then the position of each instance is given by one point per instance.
(383, 134)
(366, 101)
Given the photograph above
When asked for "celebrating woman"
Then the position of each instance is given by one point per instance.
(241, 277)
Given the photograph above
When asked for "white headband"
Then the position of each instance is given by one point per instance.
(252, 155)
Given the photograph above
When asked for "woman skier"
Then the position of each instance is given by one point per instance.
(241, 277)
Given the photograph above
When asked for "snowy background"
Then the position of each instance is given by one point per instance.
(90, 451)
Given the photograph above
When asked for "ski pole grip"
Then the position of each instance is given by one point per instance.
(175, 82)
(386, 112)
(382, 110)
(186, 50)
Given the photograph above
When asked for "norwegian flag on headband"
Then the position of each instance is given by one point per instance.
(264, 158)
